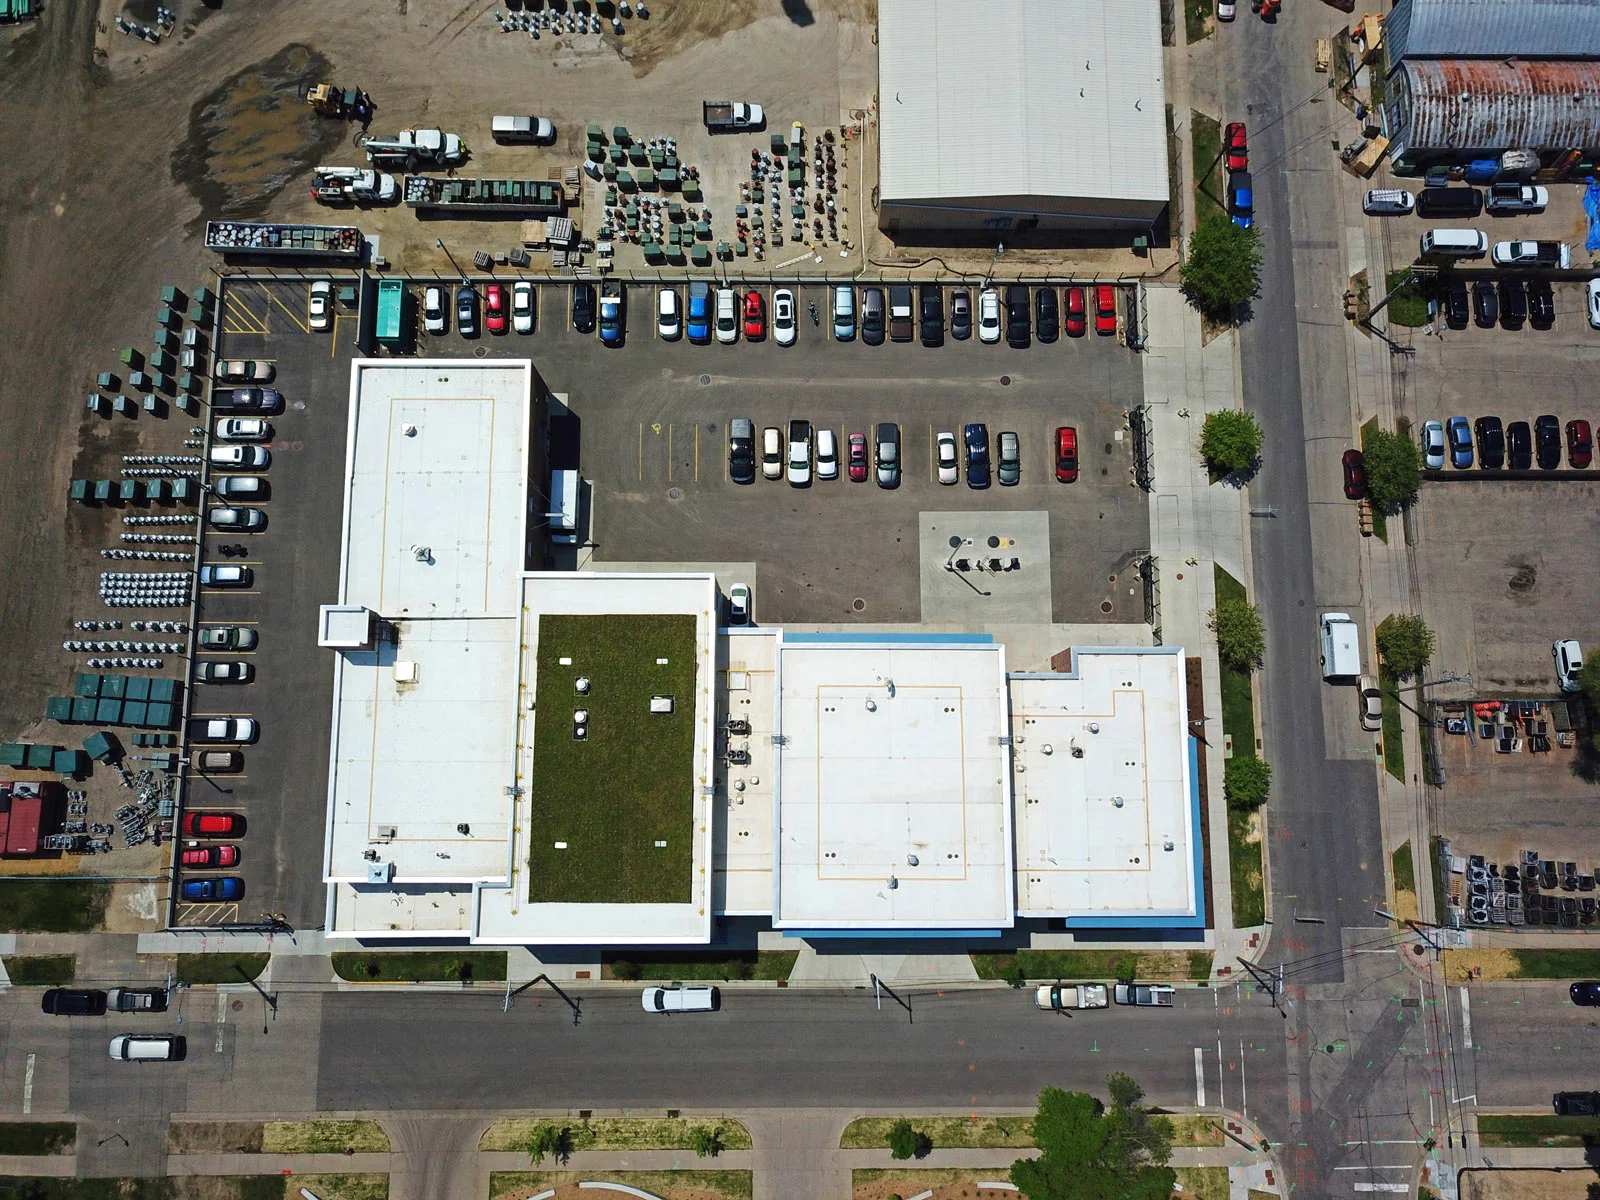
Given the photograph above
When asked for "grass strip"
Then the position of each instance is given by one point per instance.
(1205, 149)
(38, 1137)
(1208, 1183)
(1380, 519)
(1405, 875)
(46, 970)
(1439, 894)
(726, 1185)
(323, 1137)
(1394, 744)
(1528, 1129)
(619, 1133)
(451, 966)
(1238, 700)
(1556, 964)
(1246, 877)
(1196, 20)
(220, 968)
(1200, 965)
(35, 1187)
(1410, 304)
(1196, 1131)
(946, 1133)
(751, 964)
(52, 905)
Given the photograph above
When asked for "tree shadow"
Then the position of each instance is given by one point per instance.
(799, 12)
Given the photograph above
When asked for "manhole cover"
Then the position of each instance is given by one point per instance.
(674, 493)
(1523, 579)
(955, 540)
(1105, 606)
(480, 352)
(994, 543)
(858, 604)
(704, 379)
(237, 1005)
(1005, 381)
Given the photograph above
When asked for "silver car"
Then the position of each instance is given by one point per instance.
(1433, 445)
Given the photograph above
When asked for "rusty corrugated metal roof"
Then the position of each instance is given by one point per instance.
(1474, 104)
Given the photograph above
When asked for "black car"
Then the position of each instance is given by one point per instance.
(1017, 317)
(1585, 993)
(1455, 304)
(741, 450)
(977, 439)
(247, 400)
(961, 314)
(1547, 442)
(873, 316)
(73, 1002)
(1491, 442)
(1541, 304)
(1485, 306)
(583, 307)
(930, 302)
(1513, 304)
(1046, 314)
(1577, 1104)
(1519, 446)
(467, 310)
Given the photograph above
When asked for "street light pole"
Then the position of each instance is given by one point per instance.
(439, 242)
(999, 249)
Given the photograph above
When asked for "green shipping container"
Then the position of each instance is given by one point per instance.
(83, 710)
(41, 757)
(138, 687)
(135, 712)
(164, 689)
(13, 754)
(160, 716)
(114, 686)
(108, 712)
(58, 708)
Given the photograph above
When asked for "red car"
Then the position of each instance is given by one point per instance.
(1077, 313)
(1355, 474)
(856, 458)
(494, 309)
(212, 824)
(1238, 150)
(755, 317)
(1066, 454)
(1105, 309)
(1579, 445)
(203, 857)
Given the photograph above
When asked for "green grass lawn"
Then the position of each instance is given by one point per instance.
(1196, 20)
(52, 905)
(462, 966)
(1405, 875)
(946, 1133)
(1380, 519)
(1410, 304)
(1394, 744)
(1238, 703)
(751, 964)
(34, 1187)
(38, 1137)
(42, 969)
(1519, 1129)
(618, 1133)
(1556, 964)
(219, 968)
(1438, 879)
(1247, 880)
(1205, 139)
(630, 784)
(1100, 966)
(1208, 1183)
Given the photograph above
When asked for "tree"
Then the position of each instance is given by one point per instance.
(705, 1141)
(1090, 1152)
(1406, 643)
(1241, 635)
(552, 1140)
(1589, 679)
(1246, 780)
(1223, 269)
(1230, 441)
(906, 1142)
(1394, 469)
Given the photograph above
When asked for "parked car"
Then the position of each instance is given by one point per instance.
(162, 1047)
(1066, 454)
(739, 604)
(681, 997)
(236, 519)
(216, 761)
(241, 458)
(244, 370)
(319, 306)
(976, 437)
(1485, 305)
(1077, 312)
(202, 891)
(1008, 459)
(73, 1002)
(1568, 654)
(1585, 993)
(583, 307)
(226, 575)
(1046, 314)
(1515, 198)
(989, 316)
(434, 320)
(784, 327)
(467, 311)
(727, 316)
(930, 303)
(1456, 309)
(1547, 442)
(1519, 446)
(1144, 995)
(1433, 445)
(827, 454)
(1058, 997)
(961, 314)
(522, 306)
(1491, 442)
(799, 458)
(844, 312)
(1591, 291)
(1541, 304)
(755, 316)
(1513, 303)
(741, 450)
(1105, 309)
(238, 730)
(212, 824)
(218, 670)
(1225, 10)
(946, 458)
(1460, 434)
(244, 429)
(1017, 333)
(141, 1000)
(1355, 474)
(240, 487)
(1241, 199)
(261, 401)
(874, 316)
(206, 858)
(1389, 202)
(1371, 704)
(900, 313)
(772, 452)
(856, 457)
(1576, 1104)
(494, 308)
(227, 637)
(699, 322)
(1531, 254)
(1236, 146)
(886, 450)
(613, 315)
(1580, 446)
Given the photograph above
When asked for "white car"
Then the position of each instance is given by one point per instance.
(739, 604)
(772, 452)
(681, 998)
(221, 670)
(223, 729)
(1388, 202)
(240, 487)
(1225, 10)
(989, 315)
(669, 315)
(1531, 254)
(827, 454)
(799, 473)
(241, 458)
(320, 309)
(1515, 198)
(1371, 704)
(225, 575)
(1569, 663)
(1592, 291)
(727, 317)
(522, 306)
(433, 310)
(244, 429)
(945, 455)
(236, 518)
(784, 329)
(1433, 445)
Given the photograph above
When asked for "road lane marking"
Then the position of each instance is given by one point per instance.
(1380, 1187)
(222, 1016)
(27, 1088)
(1199, 1078)
(1398, 1167)
(1244, 1088)
(1466, 1019)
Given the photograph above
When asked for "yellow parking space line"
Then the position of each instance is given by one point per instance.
(241, 318)
(289, 312)
(333, 342)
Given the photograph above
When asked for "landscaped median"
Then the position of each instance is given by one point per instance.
(1018, 966)
(277, 1137)
(748, 964)
(946, 1133)
(618, 1133)
(219, 968)
(38, 1137)
(670, 1185)
(1537, 1129)
(452, 966)
(937, 1183)
(41, 970)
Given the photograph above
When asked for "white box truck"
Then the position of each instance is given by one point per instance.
(563, 514)
(1341, 647)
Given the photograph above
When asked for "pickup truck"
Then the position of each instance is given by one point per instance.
(730, 115)
(1055, 997)
(1144, 995)
(1532, 254)
(1515, 198)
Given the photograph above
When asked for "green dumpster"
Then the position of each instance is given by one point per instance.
(114, 686)
(164, 339)
(674, 211)
(797, 177)
(723, 252)
(58, 708)
(691, 191)
(647, 179)
(40, 757)
(128, 491)
(162, 363)
(609, 174)
(203, 297)
(197, 313)
(619, 133)
(669, 177)
(594, 133)
(638, 155)
(78, 491)
(658, 158)
(701, 256)
(70, 762)
(165, 316)
(171, 296)
(702, 229)
(102, 491)
(594, 152)
(103, 746)
(652, 251)
(138, 381)
(347, 295)
(741, 248)
(105, 381)
(675, 255)
(83, 709)
(780, 144)
(618, 156)
(13, 754)
(131, 359)
(188, 383)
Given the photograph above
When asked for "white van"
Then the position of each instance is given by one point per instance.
(147, 1047)
(681, 998)
(1341, 648)
(563, 514)
(1458, 243)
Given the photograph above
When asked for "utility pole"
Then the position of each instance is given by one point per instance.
(1270, 982)
(879, 987)
(574, 1005)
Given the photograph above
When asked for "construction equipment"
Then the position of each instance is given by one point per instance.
(343, 103)
(416, 148)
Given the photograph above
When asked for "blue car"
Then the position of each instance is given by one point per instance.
(229, 887)
(977, 439)
(699, 322)
(1460, 434)
(612, 320)
(1241, 199)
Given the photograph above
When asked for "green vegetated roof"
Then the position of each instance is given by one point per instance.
(630, 784)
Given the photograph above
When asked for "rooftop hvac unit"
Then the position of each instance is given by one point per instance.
(380, 872)
(388, 832)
